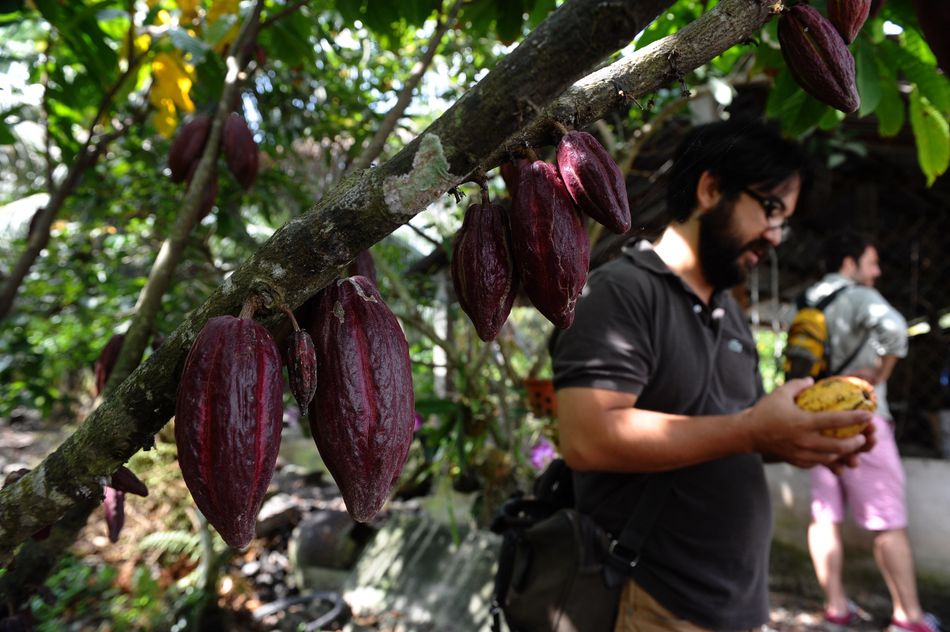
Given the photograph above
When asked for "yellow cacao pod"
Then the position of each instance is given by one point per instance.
(839, 392)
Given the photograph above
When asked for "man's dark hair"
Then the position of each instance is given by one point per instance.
(739, 153)
(843, 244)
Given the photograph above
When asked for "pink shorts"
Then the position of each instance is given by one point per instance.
(874, 490)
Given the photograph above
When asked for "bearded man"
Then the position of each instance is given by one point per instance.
(657, 380)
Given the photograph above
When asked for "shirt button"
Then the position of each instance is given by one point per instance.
(697, 308)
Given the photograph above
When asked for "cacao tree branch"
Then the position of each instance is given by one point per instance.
(170, 254)
(85, 158)
(307, 253)
(36, 559)
(45, 115)
(666, 60)
(376, 144)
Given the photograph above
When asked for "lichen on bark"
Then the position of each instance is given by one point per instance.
(428, 178)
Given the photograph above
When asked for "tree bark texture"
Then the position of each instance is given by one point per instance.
(310, 251)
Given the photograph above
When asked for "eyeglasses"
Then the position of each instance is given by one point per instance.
(771, 206)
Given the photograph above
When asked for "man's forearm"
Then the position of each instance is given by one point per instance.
(634, 440)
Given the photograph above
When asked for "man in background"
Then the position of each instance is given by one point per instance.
(867, 337)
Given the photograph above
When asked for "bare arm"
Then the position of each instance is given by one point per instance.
(880, 373)
(601, 430)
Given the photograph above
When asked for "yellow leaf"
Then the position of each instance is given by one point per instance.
(189, 9)
(173, 80)
(165, 119)
(220, 8)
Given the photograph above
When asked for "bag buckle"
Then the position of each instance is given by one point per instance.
(622, 555)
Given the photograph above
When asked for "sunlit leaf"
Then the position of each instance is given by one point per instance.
(932, 135)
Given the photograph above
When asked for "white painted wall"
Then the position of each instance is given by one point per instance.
(928, 511)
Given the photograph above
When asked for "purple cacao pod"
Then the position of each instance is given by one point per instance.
(125, 481)
(818, 57)
(114, 505)
(301, 359)
(106, 361)
(848, 16)
(240, 150)
(228, 421)
(363, 265)
(548, 237)
(483, 269)
(593, 180)
(363, 415)
(187, 147)
(511, 174)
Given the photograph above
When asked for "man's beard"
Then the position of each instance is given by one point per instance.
(720, 249)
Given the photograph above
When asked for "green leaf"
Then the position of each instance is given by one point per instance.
(351, 10)
(797, 112)
(416, 12)
(868, 77)
(288, 40)
(540, 10)
(831, 119)
(890, 107)
(932, 84)
(381, 15)
(510, 18)
(6, 134)
(932, 133)
(480, 15)
(186, 43)
(9, 6)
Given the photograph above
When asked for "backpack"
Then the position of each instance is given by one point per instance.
(559, 571)
(808, 348)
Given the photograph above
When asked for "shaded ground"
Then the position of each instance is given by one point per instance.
(797, 599)
(795, 596)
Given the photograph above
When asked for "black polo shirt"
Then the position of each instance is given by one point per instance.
(640, 329)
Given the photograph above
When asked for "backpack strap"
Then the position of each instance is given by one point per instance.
(625, 550)
(826, 300)
(822, 304)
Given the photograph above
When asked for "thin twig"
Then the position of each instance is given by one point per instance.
(280, 15)
(378, 142)
(422, 233)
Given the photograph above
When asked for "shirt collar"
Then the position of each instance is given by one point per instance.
(641, 253)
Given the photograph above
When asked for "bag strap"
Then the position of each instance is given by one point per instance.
(624, 552)
(822, 304)
(826, 300)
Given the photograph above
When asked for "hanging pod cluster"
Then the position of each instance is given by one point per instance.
(541, 245)
(816, 49)
(348, 367)
(240, 152)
